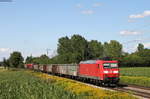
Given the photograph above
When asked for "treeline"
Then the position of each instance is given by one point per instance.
(140, 58)
(14, 61)
(77, 48)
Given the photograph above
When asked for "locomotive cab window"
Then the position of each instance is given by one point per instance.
(110, 65)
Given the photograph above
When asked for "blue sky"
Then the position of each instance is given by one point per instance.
(32, 26)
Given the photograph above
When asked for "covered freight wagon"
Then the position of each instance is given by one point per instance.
(66, 69)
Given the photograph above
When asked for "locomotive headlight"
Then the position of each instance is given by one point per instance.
(106, 72)
(115, 72)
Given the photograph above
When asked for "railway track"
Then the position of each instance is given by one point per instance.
(142, 92)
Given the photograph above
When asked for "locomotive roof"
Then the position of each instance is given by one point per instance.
(88, 62)
(93, 61)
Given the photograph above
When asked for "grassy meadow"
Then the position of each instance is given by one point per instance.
(136, 75)
(24, 84)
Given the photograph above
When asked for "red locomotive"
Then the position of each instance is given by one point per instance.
(101, 71)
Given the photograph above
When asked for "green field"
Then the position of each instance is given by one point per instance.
(20, 85)
(32, 85)
(136, 75)
(136, 71)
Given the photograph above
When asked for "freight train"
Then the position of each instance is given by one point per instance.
(100, 71)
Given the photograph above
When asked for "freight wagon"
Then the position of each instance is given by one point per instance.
(101, 71)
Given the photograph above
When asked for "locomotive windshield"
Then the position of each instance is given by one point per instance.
(110, 65)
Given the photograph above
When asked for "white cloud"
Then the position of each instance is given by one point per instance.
(147, 45)
(97, 4)
(128, 32)
(131, 21)
(142, 15)
(79, 5)
(87, 12)
(136, 16)
(4, 50)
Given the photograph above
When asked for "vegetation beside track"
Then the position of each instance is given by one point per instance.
(34, 85)
(88, 92)
(136, 75)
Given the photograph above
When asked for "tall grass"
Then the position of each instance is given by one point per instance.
(20, 85)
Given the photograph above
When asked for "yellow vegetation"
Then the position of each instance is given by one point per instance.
(82, 89)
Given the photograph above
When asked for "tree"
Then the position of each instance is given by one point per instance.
(105, 49)
(1, 63)
(64, 50)
(133, 60)
(43, 59)
(16, 60)
(140, 47)
(139, 58)
(145, 55)
(95, 49)
(29, 59)
(113, 49)
(6, 63)
(64, 45)
(79, 46)
(72, 50)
